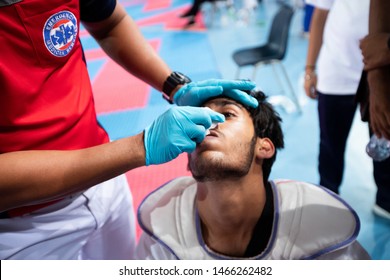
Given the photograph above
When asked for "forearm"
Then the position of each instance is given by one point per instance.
(30, 177)
(122, 40)
(379, 16)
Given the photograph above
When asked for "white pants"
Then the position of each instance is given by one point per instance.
(96, 224)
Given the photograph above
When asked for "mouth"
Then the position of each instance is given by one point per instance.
(209, 142)
(212, 133)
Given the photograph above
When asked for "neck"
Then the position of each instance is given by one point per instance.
(229, 211)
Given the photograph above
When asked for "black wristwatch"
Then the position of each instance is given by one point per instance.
(175, 79)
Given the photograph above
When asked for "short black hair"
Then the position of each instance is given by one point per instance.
(267, 123)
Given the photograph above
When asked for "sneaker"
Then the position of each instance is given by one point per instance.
(379, 211)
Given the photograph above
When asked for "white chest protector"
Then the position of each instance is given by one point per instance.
(309, 223)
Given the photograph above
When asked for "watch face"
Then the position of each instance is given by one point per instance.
(182, 79)
(175, 79)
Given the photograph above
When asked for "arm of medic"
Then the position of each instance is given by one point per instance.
(122, 40)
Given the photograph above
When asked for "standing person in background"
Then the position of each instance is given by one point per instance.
(63, 194)
(337, 27)
(374, 93)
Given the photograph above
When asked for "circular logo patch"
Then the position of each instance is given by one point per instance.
(60, 33)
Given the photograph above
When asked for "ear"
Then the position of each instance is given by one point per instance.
(264, 148)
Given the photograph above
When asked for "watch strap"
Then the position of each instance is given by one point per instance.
(173, 80)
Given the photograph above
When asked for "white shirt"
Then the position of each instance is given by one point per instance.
(340, 62)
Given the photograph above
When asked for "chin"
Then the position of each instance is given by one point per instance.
(206, 159)
(199, 163)
(211, 168)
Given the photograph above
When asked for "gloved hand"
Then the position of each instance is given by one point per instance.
(177, 131)
(196, 93)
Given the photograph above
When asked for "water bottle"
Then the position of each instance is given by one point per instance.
(378, 148)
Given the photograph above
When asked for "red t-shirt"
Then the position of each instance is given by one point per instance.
(46, 99)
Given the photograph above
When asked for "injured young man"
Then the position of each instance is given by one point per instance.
(230, 209)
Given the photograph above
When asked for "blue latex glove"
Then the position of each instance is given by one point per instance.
(177, 131)
(196, 93)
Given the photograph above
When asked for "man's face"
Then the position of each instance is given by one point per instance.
(228, 151)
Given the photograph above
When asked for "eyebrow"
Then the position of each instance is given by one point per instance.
(225, 102)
